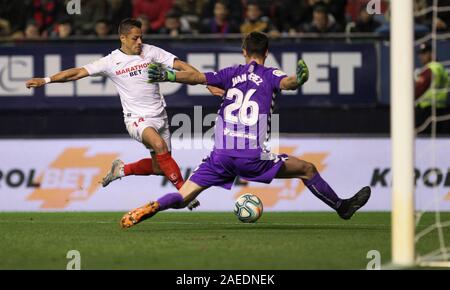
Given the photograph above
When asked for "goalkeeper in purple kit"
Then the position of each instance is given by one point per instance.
(241, 129)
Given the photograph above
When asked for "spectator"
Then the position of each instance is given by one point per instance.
(255, 21)
(220, 23)
(172, 24)
(145, 24)
(321, 22)
(191, 13)
(32, 31)
(5, 28)
(337, 9)
(155, 10)
(235, 9)
(13, 16)
(64, 28)
(102, 28)
(306, 11)
(365, 22)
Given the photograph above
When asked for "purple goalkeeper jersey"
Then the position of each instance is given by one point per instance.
(243, 121)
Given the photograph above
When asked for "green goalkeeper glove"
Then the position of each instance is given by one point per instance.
(157, 72)
(302, 72)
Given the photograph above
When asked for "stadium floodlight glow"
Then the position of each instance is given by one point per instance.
(402, 132)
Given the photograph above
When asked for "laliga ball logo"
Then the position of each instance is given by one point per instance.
(248, 208)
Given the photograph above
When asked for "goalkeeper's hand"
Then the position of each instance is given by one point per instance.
(302, 72)
(157, 72)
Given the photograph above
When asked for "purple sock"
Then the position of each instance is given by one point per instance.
(170, 200)
(323, 191)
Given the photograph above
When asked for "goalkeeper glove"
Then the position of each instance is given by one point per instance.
(302, 72)
(157, 72)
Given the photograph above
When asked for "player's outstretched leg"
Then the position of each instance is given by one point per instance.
(141, 167)
(307, 172)
(116, 172)
(139, 214)
(119, 169)
(349, 206)
(344, 207)
(175, 200)
(170, 200)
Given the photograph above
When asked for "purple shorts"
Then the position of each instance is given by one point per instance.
(221, 170)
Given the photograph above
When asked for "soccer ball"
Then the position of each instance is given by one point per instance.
(248, 208)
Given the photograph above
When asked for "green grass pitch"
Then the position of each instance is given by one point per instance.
(196, 240)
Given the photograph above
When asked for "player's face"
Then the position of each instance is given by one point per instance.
(132, 42)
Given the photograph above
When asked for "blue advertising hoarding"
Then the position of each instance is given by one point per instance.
(340, 74)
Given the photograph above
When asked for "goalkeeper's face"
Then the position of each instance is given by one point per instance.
(132, 41)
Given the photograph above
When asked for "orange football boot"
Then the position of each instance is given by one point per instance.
(139, 214)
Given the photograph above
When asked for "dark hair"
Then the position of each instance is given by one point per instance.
(128, 23)
(173, 13)
(253, 2)
(65, 20)
(320, 8)
(102, 20)
(256, 44)
(224, 3)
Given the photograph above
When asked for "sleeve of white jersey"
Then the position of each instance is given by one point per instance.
(97, 67)
(163, 57)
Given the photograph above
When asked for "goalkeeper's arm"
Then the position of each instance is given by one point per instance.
(157, 72)
(294, 82)
(190, 77)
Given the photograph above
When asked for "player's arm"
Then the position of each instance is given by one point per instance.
(159, 73)
(190, 78)
(294, 82)
(183, 66)
(68, 75)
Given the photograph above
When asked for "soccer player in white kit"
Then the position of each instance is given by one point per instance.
(143, 105)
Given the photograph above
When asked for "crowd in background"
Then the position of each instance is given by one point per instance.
(41, 19)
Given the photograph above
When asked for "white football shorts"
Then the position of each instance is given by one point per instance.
(136, 125)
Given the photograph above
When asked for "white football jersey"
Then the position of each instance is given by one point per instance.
(129, 75)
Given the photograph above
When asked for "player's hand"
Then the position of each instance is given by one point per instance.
(35, 83)
(215, 91)
(157, 72)
(302, 72)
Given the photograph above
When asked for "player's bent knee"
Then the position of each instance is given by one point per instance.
(160, 147)
(310, 170)
(306, 169)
